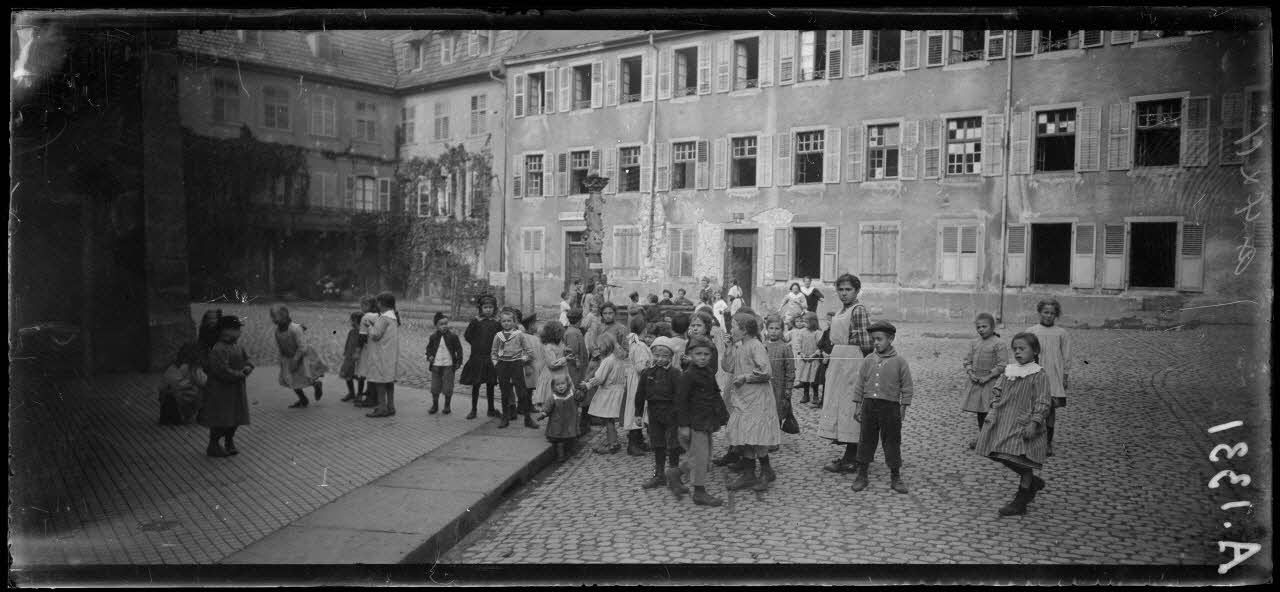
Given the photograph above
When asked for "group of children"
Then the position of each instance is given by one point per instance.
(370, 358)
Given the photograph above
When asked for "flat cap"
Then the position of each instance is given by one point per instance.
(882, 327)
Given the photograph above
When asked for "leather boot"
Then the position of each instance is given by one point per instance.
(633, 446)
(506, 418)
(215, 449)
(1018, 506)
(654, 482)
(896, 484)
(702, 498)
(860, 481)
(435, 405)
(674, 482)
(529, 422)
(447, 399)
(747, 479)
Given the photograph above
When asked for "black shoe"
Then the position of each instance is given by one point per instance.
(504, 423)
(446, 410)
(434, 409)
(378, 414)
(215, 451)
(896, 484)
(654, 482)
(472, 415)
(298, 404)
(231, 449)
(703, 498)
(1018, 506)
(529, 422)
(860, 482)
(350, 397)
(494, 412)
(840, 466)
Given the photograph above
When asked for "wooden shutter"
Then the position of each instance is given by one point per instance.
(1113, 260)
(1016, 255)
(597, 84)
(526, 249)
(1023, 42)
(909, 160)
(594, 165)
(933, 148)
(517, 175)
(517, 101)
(1118, 37)
(611, 81)
(781, 254)
(646, 168)
(646, 76)
(1232, 129)
(831, 155)
(835, 54)
(611, 169)
(786, 57)
(720, 160)
(549, 90)
(349, 198)
(857, 52)
(934, 50)
(666, 57)
(784, 172)
(764, 160)
(1089, 138)
(910, 50)
(992, 145)
(562, 174)
(1020, 144)
(995, 44)
(566, 99)
(1191, 258)
(830, 252)
(1119, 140)
(724, 57)
(1082, 259)
(674, 248)
(664, 166)
(949, 259)
(1195, 131)
(764, 67)
(856, 149)
(704, 68)
(969, 255)
(1091, 38)
(548, 174)
(701, 169)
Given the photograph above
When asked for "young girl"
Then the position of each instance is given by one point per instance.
(532, 369)
(351, 357)
(851, 343)
(564, 309)
(555, 357)
(180, 392)
(753, 411)
(1056, 356)
(700, 412)
(805, 342)
(561, 412)
(794, 304)
(611, 380)
(782, 366)
(509, 354)
(226, 403)
(1014, 433)
(384, 361)
(639, 356)
(986, 360)
(444, 355)
(365, 397)
(300, 367)
(479, 369)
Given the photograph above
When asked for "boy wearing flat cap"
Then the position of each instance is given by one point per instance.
(657, 389)
(883, 391)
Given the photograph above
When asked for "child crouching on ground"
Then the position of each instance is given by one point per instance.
(561, 412)
(700, 411)
(182, 388)
(883, 389)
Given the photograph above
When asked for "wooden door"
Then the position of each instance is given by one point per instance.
(575, 259)
(740, 261)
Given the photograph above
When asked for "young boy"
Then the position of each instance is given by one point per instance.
(1055, 357)
(783, 371)
(443, 361)
(657, 389)
(700, 411)
(884, 384)
(509, 355)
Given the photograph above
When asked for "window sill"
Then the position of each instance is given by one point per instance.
(628, 194)
(746, 92)
(1059, 54)
(742, 192)
(677, 193)
(1155, 171)
(969, 180)
(578, 196)
(631, 105)
(887, 75)
(894, 184)
(807, 187)
(1164, 42)
(814, 82)
(532, 200)
(685, 99)
(970, 65)
(1049, 175)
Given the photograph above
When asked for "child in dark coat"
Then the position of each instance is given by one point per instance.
(700, 411)
(351, 357)
(561, 413)
(480, 369)
(226, 404)
(657, 390)
(443, 362)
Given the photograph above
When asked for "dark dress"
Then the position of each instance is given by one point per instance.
(562, 416)
(226, 402)
(479, 368)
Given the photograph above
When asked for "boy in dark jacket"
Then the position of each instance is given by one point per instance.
(658, 389)
(700, 411)
(443, 361)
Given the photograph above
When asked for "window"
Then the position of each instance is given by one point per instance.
(743, 172)
(746, 63)
(441, 129)
(808, 252)
(630, 87)
(366, 121)
(324, 116)
(321, 45)
(384, 194)
(629, 168)
(964, 146)
(684, 156)
(813, 55)
(407, 116)
(365, 194)
(966, 46)
(324, 190)
(1153, 254)
(424, 198)
(582, 87)
(532, 254)
(1059, 39)
(626, 248)
(249, 37)
(533, 175)
(446, 49)
(226, 101)
(886, 51)
(680, 254)
(448, 192)
(534, 97)
(1056, 140)
(808, 164)
(958, 261)
(415, 55)
(1149, 35)
(1051, 253)
(882, 151)
(478, 122)
(1159, 133)
(686, 83)
(275, 108)
(579, 168)
(484, 38)
(878, 246)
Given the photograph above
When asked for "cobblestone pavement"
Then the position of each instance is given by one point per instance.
(1128, 485)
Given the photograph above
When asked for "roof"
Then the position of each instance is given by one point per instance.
(358, 56)
(488, 56)
(549, 40)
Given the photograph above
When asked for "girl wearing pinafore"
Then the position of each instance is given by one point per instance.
(753, 410)
(804, 342)
(554, 364)
(850, 343)
(1014, 434)
(365, 397)
(983, 365)
(610, 380)
(638, 357)
(300, 367)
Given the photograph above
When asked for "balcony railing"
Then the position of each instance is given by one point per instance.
(582, 104)
(1047, 45)
(685, 91)
(630, 98)
(745, 83)
(966, 56)
(877, 67)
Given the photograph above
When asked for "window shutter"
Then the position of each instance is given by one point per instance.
(1113, 263)
(517, 101)
(562, 174)
(549, 90)
(786, 57)
(1119, 141)
(673, 252)
(781, 254)
(704, 68)
(1016, 255)
(664, 166)
(857, 52)
(646, 77)
(856, 148)
(611, 169)
(666, 58)
(1091, 38)
(539, 251)
(764, 160)
(720, 160)
(646, 168)
(1232, 129)
(992, 144)
(1082, 260)
(764, 64)
(594, 166)
(1191, 258)
(909, 161)
(701, 169)
(565, 102)
(933, 52)
(933, 148)
(724, 56)
(969, 254)
(1020, 144)
(1089, 138)
(910, 50)
(349, 198)
(830, 252)
(1195, 131)
(611, 81)
(835, 54)
(995, 44)
(1023, 43)
(831, 155)
(597, 84)
(525, 250)
(473, 44)
(517, 175)
(1118, 37)
(783, 178)
(384, 194)
(949, 261)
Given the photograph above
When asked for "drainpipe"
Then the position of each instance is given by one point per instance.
(653, 149)
(502, 250)
(1004, 199)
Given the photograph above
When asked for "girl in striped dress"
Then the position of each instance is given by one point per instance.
(1014, 433)
(805, 343)
(985, 362)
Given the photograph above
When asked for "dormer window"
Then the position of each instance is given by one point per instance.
(249, 37)
(321, 45)
(415, 54)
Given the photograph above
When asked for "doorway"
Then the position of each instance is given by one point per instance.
(808, 250)
(575, 258)
(1152, 250)
(740, 261)
(1051, 253)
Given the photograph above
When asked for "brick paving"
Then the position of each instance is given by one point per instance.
(1128, 485)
